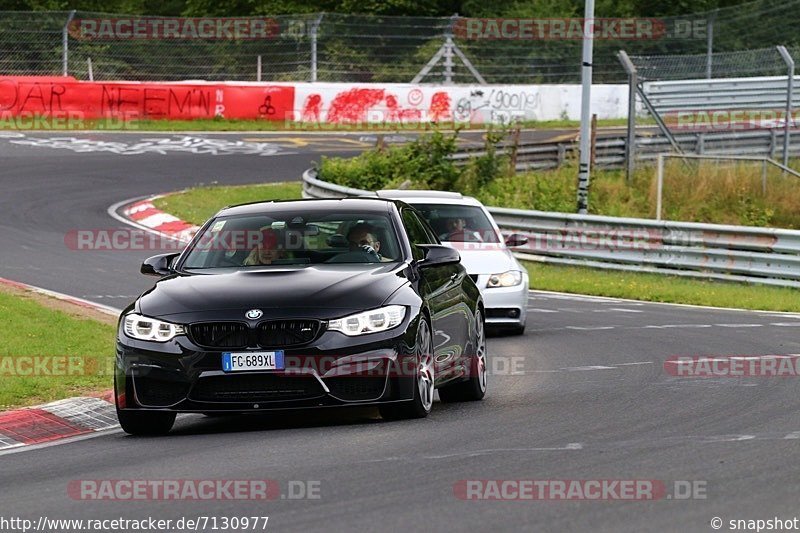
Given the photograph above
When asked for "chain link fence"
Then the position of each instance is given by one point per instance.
(364, 48)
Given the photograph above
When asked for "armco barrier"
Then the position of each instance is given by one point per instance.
(610, 149)
(711, 251)
(767, 92)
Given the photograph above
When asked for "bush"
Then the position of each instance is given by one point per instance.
(426, 162)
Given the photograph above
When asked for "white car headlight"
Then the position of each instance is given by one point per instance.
(506, 279)
(369, 321)
(149, 329)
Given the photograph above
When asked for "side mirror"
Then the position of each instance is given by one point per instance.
(437, 255)
(515, 239)
(158, 265)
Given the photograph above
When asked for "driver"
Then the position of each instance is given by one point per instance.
(363, 245)
(456, 231)
(361, 237)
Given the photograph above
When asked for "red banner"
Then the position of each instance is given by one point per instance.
(49, 96)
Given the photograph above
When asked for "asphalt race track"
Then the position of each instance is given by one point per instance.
(583, 395)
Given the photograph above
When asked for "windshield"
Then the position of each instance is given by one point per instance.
(294, 238)
(458, 223)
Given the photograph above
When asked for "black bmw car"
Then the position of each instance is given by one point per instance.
(299, 304)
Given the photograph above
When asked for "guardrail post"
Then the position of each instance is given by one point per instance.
(700, 146)
(788, 119)
(659, 185)
(65, 44)
(630, 144)
(773, 142)
(515, 147)
(764, 177)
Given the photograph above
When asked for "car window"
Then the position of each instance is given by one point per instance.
(458, 223)
(417, 232)
(293, 238)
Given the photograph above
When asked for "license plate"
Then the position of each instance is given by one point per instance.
(238, 362)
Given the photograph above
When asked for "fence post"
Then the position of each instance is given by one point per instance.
(787, 58)
(314, 33)
(448, 60)
(89, 68)
(710, 43)
(584, 166)
(258, 68)
(630, 144)
(65, 44)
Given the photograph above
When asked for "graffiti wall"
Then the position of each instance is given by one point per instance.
(307, 102)
(345, 103)
(56, 95)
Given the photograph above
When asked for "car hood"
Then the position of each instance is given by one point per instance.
(320, 287)
(485, 258)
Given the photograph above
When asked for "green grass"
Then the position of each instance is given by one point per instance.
(661, 288)
(706, 192)
(30, 329)
(201, 203)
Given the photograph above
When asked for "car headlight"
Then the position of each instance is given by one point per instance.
(149, 329)
(506, 279)
(369, 321)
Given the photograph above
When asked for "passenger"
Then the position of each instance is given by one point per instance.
(267, 251)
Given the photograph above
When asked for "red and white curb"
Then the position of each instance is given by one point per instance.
(146, 215)
(54, 421)
(62, 419)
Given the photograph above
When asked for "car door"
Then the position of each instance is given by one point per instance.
(442, 288)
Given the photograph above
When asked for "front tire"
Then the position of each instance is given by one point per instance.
(422, 403)
(145, 422)
(474, 388)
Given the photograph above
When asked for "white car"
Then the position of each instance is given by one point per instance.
(463, 223)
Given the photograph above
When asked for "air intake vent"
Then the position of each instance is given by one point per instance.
(219, 334)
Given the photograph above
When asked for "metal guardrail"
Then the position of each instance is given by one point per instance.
(610, 150)
(709, 251)
(764, 92)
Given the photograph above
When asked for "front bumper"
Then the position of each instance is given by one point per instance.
(505, 306)
(335, 370)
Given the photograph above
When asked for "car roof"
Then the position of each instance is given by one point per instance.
(363, 204)
(405, 193)
(429, 197)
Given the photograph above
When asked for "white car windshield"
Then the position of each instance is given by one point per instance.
(459, 223)
(292, 238)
